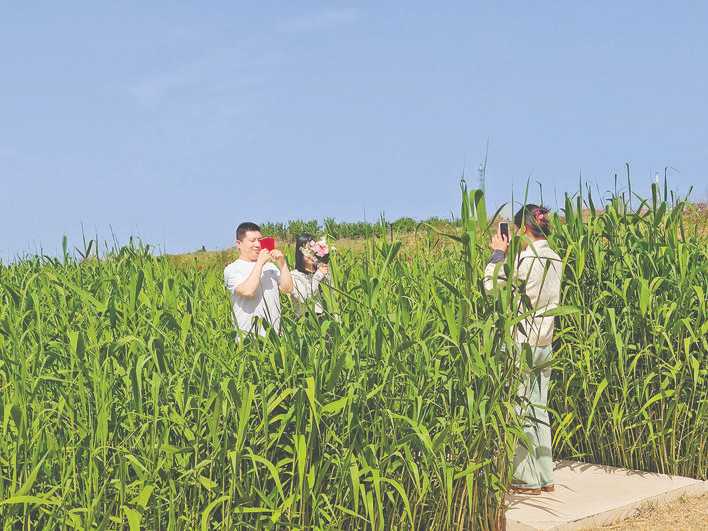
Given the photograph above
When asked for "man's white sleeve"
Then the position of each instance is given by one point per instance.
(233, 279)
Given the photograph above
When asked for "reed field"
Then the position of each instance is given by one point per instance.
(127, 403)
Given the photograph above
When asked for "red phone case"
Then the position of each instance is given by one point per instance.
(267, 243)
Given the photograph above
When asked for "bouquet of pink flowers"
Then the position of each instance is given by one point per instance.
(317, 250)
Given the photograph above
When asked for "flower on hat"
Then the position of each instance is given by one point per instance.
(540, 214)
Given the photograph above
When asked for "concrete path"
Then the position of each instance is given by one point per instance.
(588, 496)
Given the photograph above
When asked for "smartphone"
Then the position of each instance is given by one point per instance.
(504, 229)
(267, 243)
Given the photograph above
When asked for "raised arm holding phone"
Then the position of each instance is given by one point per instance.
(256, 279)
(538, 269)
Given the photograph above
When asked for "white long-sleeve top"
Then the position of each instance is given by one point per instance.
(539, 268)
(307, 286)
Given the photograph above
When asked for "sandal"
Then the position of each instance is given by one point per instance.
(526, 490)
(548, 488)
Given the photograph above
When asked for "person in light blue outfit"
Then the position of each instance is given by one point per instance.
(538, 270)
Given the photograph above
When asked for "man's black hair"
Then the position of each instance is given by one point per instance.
(245, 227)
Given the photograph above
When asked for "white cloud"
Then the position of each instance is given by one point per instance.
(221, 71)
(151, 90)
(320, 20)
(234, 68)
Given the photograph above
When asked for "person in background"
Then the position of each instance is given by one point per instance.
(309, 273)
(538, 268)
(254, 281)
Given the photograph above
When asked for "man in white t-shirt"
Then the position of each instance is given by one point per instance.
(255, 281)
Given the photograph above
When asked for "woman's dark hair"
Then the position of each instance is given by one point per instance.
(535, 218)
(300, 242)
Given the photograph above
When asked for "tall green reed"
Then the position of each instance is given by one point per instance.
(127, 401)
(631, 380)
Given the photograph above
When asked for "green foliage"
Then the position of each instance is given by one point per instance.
(347, 229)
(631, 367)
(127, 402)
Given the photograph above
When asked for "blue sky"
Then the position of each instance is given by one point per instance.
(174, 122)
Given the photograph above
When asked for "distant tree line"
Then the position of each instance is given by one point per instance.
(348, 229)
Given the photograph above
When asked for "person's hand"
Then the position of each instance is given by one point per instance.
(323, 268)
(499, 242)
(264, 256)
(278, 257)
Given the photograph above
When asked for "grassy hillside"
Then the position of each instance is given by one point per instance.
(407, 230)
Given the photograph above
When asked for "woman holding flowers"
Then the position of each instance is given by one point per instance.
(311, 269)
